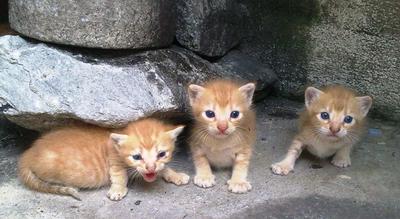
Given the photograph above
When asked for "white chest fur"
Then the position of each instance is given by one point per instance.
(221, 153)
(322, 148)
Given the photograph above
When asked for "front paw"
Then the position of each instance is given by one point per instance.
(238, 186)
(116, 193)
(281, 168)
(204, 181)
(178, 179)
(341, 162)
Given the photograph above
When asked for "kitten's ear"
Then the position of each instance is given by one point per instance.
(247, 91)
(118, 139)
(365, 103)
(175, 132)
(195, 92)
(312, 94)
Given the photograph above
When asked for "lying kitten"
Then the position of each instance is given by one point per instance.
(224, 132)
(86, 156)
(331, 124)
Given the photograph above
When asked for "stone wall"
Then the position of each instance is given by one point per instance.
(210, 28)
(314, 42)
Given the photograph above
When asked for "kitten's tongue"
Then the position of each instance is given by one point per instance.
(150, 177)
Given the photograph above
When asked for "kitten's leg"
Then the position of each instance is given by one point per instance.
(204, 177)
(342, 157)
(238, 182)
(119, 181)
(171, 176)
(287, 164)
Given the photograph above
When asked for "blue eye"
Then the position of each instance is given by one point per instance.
(348, 119)
(137, 157)
(210, 114)
(161, 154)
(324, 115)
(234, 114)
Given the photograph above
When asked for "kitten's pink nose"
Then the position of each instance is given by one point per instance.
(150, 168)
(222, 127)
(334, 129)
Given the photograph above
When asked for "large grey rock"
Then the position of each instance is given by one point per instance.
(42, 86)
(355, 43)
(237, 65)
(96, 23)
(210, 27)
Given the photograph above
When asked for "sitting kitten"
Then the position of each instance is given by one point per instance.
(224, 132)
(85, 156)
(331, 124)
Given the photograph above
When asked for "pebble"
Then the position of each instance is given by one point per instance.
(344, 177)
(374, 132)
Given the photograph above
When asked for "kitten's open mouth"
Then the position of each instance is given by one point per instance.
(150, 177)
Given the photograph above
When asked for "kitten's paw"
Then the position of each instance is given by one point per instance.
(178, 179)
(116, 193)
(238, 186)
(281, 168)
(204, 181)
(341, 162)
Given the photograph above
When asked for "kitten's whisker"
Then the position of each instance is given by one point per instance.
(352, 137)
(132, 175)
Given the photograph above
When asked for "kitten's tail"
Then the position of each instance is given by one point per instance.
(33, 182)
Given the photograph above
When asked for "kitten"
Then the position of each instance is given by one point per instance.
(331, 124)
(86, 156)
(224, 131)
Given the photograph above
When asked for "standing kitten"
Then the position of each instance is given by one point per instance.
(331, 125)
(86, 156)
(224, 132)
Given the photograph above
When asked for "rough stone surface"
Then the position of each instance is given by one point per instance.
(239, 65)
(41, 85)
(368, 189)
(354, 43)
(96, 23)
(210, 27)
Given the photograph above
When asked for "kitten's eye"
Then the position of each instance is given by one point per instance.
(137, 157)
(234, 114)
(348, 119)
(161, 154)
(210, 114)
(324, 115)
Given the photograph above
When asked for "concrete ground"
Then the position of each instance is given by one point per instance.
(370, 188)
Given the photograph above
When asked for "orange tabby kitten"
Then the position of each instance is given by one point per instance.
(224, 132)
(331, 124)
(85, 156)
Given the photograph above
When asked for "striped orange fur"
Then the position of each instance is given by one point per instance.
(85, 156)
